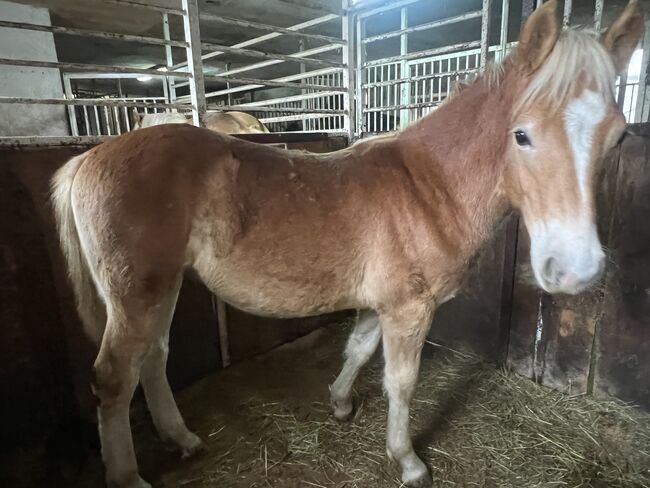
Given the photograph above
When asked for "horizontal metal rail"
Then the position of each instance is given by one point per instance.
(266, 37)
(253, 53)
(398, 81)
(362, 13)
(421, 54)
(289, 118)
(400, 107)
(272, 28)
(423, 27)
(89, 33)
(299, 54)
(36, 141)
(237, 89)
(148, 6)
(281, 84)
(293, 98)
(293, 110)
(122, 76)
(108, 102)
(92, 67)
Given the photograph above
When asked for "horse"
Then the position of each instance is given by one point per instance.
(227, 122)
(386, 225)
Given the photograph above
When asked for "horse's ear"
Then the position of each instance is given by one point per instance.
(538, 37)
(624, 35)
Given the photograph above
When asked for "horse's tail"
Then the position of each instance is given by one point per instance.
(90, 306)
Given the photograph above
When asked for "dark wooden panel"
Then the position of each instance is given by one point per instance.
(622, 355)
(476, 318)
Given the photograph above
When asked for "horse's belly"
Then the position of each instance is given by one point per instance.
(273, 293)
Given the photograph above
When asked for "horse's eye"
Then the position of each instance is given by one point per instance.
(522, 138)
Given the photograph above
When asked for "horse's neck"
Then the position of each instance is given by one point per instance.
(456, 155)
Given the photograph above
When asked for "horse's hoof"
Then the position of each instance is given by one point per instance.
(191, 446)
(422, 482)
(343, 411)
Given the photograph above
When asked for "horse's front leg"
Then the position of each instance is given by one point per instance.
(404, 331)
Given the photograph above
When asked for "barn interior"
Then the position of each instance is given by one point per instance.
(517, 387)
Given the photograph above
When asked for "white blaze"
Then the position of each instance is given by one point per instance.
(581, 118)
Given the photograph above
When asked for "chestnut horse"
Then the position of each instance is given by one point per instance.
(228, 122)
(386, 226)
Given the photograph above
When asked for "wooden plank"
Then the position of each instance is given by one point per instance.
(622, 349)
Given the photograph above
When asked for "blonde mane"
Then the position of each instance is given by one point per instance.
(578, 57)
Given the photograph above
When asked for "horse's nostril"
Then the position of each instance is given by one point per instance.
(550, 271)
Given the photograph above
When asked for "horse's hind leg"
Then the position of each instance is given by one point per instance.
(134, 325)
(160, 400)
(360, 347)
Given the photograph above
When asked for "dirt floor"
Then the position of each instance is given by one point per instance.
(267, 423)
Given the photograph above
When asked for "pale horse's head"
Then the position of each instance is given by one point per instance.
(564, 120)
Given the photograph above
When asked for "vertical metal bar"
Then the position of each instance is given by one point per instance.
(505, 13)
(108, 122)
(566, 17)
(98, 127)
(72, 114)
(127, 122)
(360, 33)
(116, 116)
(405, 88)
(539, 3)
(485, 32)
(374, 93)
(194, 63)
(347, 58)
(598, 15)
(86, 121)
(622, 87)
(169, 60)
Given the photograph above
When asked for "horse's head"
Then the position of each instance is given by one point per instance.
(564, 120)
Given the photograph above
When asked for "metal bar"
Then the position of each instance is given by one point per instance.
(622, 87)
(98, 127)
(147, 6)
(89, 33)
(101, 102)
(72, 114)
(294, 98)
(87, 120)
(428, 52)
(272, 28)
(359, 60)
(505, 13)
(90, 67)
(347, 58)
(485, 32)
(384, 8)
(222, 323)
(253, 53)
(123, 76)
(566, 16)
(193, 37)
(321, 8)
(403, 106)
(291, 110)
(267, 37)
(169, 59)
(51, 140)
(598, 15)
(242, 88)
(281, 84)
(116, 117)
(539, 3)
(403, 50)
(299, 54)
(423, 27)
(108, 123)
(289, 118)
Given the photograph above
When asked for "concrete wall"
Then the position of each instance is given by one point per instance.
(17, 81)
